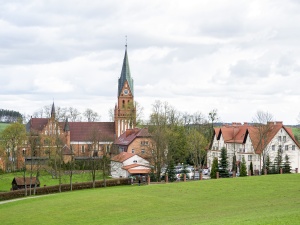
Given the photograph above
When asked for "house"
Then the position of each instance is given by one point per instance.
(20, 182)
(128, 164)
(136, 141)
(246, 140)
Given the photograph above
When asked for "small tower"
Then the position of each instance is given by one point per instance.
(125, 111)
(67, 132)
(53, 111)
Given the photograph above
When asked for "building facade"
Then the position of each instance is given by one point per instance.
(255, 144)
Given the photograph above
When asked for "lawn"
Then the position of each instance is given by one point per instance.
(296, 132)
(272, 199)
(46, 179)
(3, 125)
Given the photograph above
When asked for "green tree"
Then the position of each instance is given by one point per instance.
(223, 164)
(162, 120)
(13, 137)
(268, 164)
(287, 164)
(278, 160)
(197, 143)
(171, 171)
(243, 171)
(214, 168)
(251, 167)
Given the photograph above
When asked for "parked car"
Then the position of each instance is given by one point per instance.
(205, 171)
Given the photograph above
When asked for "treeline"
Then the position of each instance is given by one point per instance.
(9, 116)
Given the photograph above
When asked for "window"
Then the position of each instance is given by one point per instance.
(143, 151)
(240, 157)
(279, 148)
(82, 148)
(286, 147)
(273, 147)
(279, 138)
(132, 151)
(293, 147)
(284, 138)
(249, 157)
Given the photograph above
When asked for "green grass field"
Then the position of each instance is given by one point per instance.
(272, 199)
(3, 125)
(46, 179)
(296, 132)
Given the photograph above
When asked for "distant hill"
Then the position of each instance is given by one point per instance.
(9, 116)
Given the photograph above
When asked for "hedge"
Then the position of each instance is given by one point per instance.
(64, 187)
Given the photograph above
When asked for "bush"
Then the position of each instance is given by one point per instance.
(64, 187)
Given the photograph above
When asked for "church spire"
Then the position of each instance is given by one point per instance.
(125, 74)
(53, 111)
(67, 126)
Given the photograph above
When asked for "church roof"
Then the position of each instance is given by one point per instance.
(125, 75)
(79, 131)
(83, 131)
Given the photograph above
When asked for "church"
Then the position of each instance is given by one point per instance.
(86, 139)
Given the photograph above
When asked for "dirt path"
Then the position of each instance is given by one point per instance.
(20, 199)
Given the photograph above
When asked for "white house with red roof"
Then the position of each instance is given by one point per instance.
(244, 140)
(128, 164)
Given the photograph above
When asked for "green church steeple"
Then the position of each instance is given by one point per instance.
(125, 75)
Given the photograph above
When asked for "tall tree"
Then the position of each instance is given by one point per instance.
(251, 167)
(287, 164)
(278, 160)
(214, 168)
(91, 116)
(243, 171)
(263, 127)
(162, 118)
(196, 145)
(212, 117)
(223, 164)
(13, 137)
(73, 114)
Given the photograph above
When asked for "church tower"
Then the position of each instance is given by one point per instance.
(125, 111)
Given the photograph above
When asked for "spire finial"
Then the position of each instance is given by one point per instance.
(126, 42)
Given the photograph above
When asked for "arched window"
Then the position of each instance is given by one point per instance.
(123, 103)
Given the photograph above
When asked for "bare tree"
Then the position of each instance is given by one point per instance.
(162, 120)
(261, 134)
(91, 116)
(196, 145)
(73, 114)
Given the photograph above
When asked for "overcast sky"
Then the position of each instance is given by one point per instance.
(234, 56)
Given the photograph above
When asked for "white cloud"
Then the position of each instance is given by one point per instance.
(236, 56)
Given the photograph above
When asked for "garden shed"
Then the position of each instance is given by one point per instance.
(20, 182)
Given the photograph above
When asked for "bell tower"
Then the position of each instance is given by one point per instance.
(125, 110)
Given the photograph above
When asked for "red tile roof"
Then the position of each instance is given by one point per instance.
(139, 171)
(122, 156)
(37, 124)
(82, 131)
(237, 133)
(20, 180)
(127, 137)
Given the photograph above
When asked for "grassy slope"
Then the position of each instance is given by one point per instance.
(3, 125)
(272, 199)
(296, 132)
